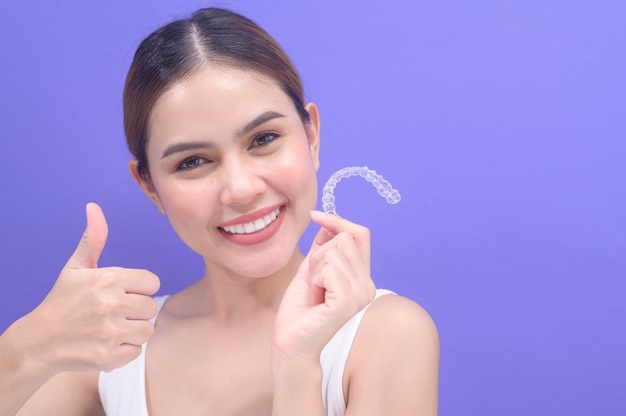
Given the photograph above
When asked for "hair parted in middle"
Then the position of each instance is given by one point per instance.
(211, 36)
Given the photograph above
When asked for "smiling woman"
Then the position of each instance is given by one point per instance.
(225, 147)
(251, 154)
(181, 47)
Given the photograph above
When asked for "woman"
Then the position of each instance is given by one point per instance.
(225, 147)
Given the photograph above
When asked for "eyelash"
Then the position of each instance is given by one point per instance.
(272, 137)
(199, 160)
(184, 165)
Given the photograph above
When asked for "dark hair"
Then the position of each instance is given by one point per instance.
(210, 35)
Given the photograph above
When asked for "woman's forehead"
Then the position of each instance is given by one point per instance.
(220, 85)
(222, 101)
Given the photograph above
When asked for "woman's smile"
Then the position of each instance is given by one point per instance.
(246, 230)
(228, 149)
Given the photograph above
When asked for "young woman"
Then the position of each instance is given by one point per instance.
(225, 147)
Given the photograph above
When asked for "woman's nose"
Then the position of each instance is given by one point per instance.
(241, 182)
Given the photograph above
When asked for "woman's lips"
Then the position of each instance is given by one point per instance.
(252, 226)
(255, 228)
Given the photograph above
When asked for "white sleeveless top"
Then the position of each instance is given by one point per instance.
(123, 391)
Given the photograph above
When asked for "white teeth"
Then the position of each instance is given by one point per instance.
(256, 225)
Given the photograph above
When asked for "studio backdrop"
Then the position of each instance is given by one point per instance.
(501, 123)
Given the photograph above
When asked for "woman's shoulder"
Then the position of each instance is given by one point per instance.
(396, 329)
(399, 315)
(393, 366)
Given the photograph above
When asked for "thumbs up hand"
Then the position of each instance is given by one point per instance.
(94, 319)
(92, 243)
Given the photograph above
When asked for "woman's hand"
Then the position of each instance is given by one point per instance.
(332, 284)
(93, 318)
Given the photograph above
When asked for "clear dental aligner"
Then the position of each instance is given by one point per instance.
(383, 187)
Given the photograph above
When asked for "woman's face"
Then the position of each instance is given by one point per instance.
(233, 168)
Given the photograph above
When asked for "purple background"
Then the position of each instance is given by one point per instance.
(501, 122)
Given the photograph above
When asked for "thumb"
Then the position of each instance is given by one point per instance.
(324, 234)
(92, 242)
(315, 292)
(304, 266)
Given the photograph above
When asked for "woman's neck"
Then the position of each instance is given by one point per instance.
(227, 297)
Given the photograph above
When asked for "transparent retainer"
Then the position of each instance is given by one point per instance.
(382, 186)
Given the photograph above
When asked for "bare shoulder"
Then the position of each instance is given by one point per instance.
(393, 367)
(397, 326)
(398, 315)
(66, 394)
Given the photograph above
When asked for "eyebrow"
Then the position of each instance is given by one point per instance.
(186, 146)
(259, 120)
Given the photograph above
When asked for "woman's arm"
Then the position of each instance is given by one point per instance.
(28, 384)
(20, 377)
(331, 286)
(393, 367)
(394, 362)
(94, 319)
(297, 388)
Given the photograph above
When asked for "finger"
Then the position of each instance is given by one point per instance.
(324, 234)
(334, 224)
(341, 258)
(353, 257)
(304, 266)
(141, 282)
(123, 355)
(342, 251)
(339, 292)
(139, 307)
(344, 288)
(92, 243)
(138, 332)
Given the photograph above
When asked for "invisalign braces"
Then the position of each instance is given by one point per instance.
(383, 187)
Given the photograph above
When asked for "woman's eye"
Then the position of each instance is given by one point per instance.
(264, 139)
(191, 163)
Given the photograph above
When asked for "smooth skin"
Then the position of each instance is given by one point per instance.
(94, 319)
(246, 338)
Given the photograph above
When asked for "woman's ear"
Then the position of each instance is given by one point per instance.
(145, 184)
(313, 133)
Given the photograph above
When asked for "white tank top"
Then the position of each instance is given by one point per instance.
(123, 391)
